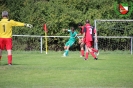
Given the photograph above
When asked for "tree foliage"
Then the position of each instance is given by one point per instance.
(58, 14)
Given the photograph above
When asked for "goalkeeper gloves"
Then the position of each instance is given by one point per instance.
(29, 25)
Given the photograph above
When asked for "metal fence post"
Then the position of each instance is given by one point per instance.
(131, 45)
(41, 43)
(96, 44)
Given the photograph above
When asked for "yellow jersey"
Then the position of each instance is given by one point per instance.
(6, 27)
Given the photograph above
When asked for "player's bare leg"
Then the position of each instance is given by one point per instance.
(92, 53)
(95, 51)
(86, 53)
(9, 57)
(66, 48)
(82, 50)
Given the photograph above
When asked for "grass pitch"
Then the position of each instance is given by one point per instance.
(35, 70)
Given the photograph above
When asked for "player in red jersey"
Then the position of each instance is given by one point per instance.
(6, 34)
(81, 42)
(87, 34)
(94, 33)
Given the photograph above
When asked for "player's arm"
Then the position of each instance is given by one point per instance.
(79, 34)
(84, 33)
(76, 36)
(64, 30)
(16, 23)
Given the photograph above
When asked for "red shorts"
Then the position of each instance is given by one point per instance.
(5, 43)
(89, 43)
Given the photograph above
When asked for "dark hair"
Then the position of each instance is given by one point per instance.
(80, 24)
(72, 28)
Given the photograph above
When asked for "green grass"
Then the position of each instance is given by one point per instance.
(36, 70)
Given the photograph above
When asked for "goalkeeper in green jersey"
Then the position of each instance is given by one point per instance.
(71, 41)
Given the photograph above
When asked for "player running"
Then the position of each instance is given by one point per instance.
(71, 41)
(6, 34)
(87, 34)
(94, 39)
(81, 42)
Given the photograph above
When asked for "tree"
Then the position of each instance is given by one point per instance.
(58, 14)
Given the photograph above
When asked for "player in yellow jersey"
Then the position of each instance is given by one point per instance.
(6, 34)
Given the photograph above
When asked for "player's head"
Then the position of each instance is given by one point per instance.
(72, 29)
(4, 14)
(80, 25)
(87, 21)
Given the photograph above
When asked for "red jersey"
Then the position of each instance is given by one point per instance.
(88, 32)
(82, 30)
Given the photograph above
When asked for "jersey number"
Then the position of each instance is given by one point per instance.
(90, 30)
(4, 29)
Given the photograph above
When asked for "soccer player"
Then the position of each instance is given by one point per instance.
(94, 39)
(81, 42)
(71, 41)
(6, 34)
(87, 34)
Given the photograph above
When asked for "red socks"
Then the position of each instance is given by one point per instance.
(82, 52)
(86, 55)
(9, 59)
(92, 53)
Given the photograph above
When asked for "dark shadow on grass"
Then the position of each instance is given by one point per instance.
(12, 64)
(101, 59)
